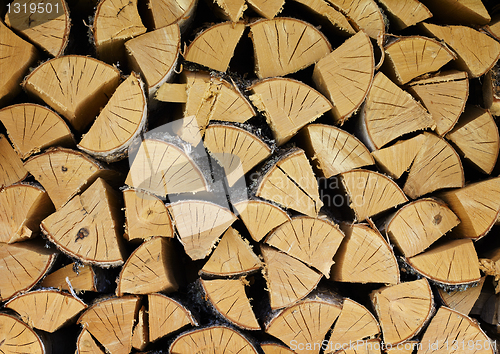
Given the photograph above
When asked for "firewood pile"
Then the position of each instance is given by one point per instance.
(249, 176)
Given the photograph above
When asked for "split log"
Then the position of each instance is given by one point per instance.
(444, 95)
(372, 346)
(365, 14)
(23, 265)
(371, 193)
(304, 325)
(260, 217)
(290, 182)
(229, 10)
(47, 310)
(140, 335)
(49, 30)
(493, 28)
(236, 149)
(265, 8)
(81, 278)
(477, 205)
(364, 257)
(476, 138)
(113, 332)
(11, 167)
(167, 316)
(119, 124)
(405, 13)
(199, 225)
(476, 51)
(390, 112)
(346, 75)
(461, 301)
(165, 12)
(114, 23)
(288, 105)
(145, 216)
(461, 11)
(409, 57)
(403, 309)
(232, 256)
(14, 334)
(451, 263)
(417, 225)
(86, 344)
(88, 227)
(407, 347)
(169, 92)
(228, 298)
(491, 90)
(22, 208)
(335, 18)
(288, 280)
(333, 150)
(209, 50)
(271, 348)
(396, 159)
(450, 330)
(150, 268)
(17, 56)
(155, 55)
(285, 45)
(313, 241)
(74, 86)
(33, 128)
(215, 339)
(64, 173)
(436, 166)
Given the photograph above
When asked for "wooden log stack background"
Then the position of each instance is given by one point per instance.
(249, 176)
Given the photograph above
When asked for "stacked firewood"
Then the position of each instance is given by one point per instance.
(249, 176)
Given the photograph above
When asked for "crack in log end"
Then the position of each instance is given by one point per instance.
(81, 234)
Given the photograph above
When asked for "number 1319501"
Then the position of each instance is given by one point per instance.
(41, 8)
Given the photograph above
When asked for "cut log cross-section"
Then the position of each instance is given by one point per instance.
(266, 8)
(86, 344)
(405, 13)
(459, 11)
(140, 334)
(12, 169)
(15, 334)
(365, 14)
(165, 12)
(462, 301)
(230, 9)
(79, 276)
(332, 16)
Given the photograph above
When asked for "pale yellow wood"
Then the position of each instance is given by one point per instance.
(403, 309)
(232, 256)
(333, 150)
(172, 93)
(390, 112)
(167, 12)
(449, 326)
(310, 240)
(85, 344)
(11, 167)
(16, 56)
(22, 208)
(32, 128)
(476, 138)
(48, 310)
(166, 316)
(397, 159)
(491, 90)
(462, 301)
(436, 166)
(155, 54)
(162, 168)
(114, 23)
(199, 225)
(371, 193)
(260, 217)
(145, 216)
(306, 322)
(231, 9)
(269, 348)
(88, 227)
(285, 45)
(405, 13)
(74, 86)
(412, 56)
(444, 95)
(337, 19)
(267, 8)
(16, 335)
(407, 347)
(81, 277)
(364, 257)
(454, 262)
(354, 323)
(215, 46)
(47, 29)
(459, 11)
(236, 149)
(150, 268)
(291, 183)
(288, 280)
(140, 336)
(417, 225)
(364, 13)
(288, 105)
(372, 346)
(346, 75)
(477, 205)
(216, 339)
(476, 51)
(22, 266)
(111, 322)
(229, 298)
(64, 173)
